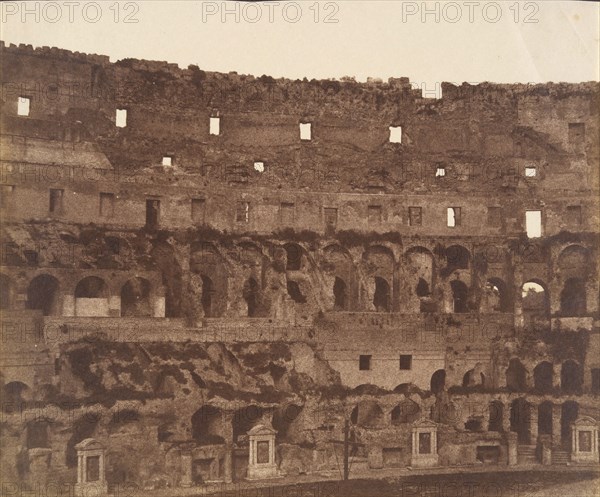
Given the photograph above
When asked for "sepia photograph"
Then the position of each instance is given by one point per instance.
(302, 248)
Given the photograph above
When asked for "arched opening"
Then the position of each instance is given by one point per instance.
(293, 290)
(422, 289)
(406, 411)
(91, 297)
(516, 376)
(520, 420)
(381, 297)
(340, 294)
(283, 419)
(438, 381)
(472, 379)
(569, 412)
(5, 292)
(545, 418)
(294, 256)
(251, 296)
(15, 396)
(42, 293)
(534, 297)
(543, 377)
(496, 416)
(207, 426)
(164, 259)
(208, 290)
(37, 435)
(457, 257)
(367, 414)
(573, 298)
(496, 296)
(245, 419)
(135, 298)
(571, 378)
(460, 294)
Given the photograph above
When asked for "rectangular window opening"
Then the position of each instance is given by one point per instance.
(198, 210)
(533, 224)
(121, 118)
(364, 362)
(530, 172)
(23, 106)
(454, 217)
(440, 172)
(415, 216)
(56, 201)
(259, 166)
(305, 131)
(107, 204)
(242, 214)
(167, 160)
(215, 126)
(395, 134)
(406, 362)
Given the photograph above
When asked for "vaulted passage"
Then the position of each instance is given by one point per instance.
(381, 298)
(251, 296)
(568, 414)
(520, 420)
(571, 378)
(516, 375)
(208, 426)
(42, 295)
(545, 418)
(438, 381)
(135, 298)
(573, 298)
(460, 294)
(340, 294)
(542, 377)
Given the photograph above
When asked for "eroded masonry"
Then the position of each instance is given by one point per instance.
(204, 275)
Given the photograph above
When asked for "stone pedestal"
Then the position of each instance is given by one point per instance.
(545, 446)
(424, 445)
(584, 440)
(261, 461)
(512, 441)
(90, 469)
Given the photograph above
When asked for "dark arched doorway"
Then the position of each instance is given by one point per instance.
(516, 376)
(571, 378)
(135, 298)
(438, 381)
(542, 377)
(42, 294)
(520, 420)
(460, 294)
(381, 297)
(340, 294)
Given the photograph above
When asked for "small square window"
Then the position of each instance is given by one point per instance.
(305, 131)
(167, 161)
(533, 224)
(530, 172)
(121, 118)
(242, 214)
(454, 217)
(259, 166)
(23, 104)
(440, 172)
(215, 126)
(415, 216)
(406, 362)
(56, 201)
(395, 134)
(364, 362)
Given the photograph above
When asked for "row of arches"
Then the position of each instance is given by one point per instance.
(43, 294)
(571, 377)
